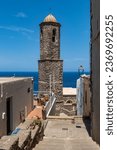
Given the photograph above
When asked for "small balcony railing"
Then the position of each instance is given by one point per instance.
(49, 103)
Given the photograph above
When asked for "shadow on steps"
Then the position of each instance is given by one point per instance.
(87, 122)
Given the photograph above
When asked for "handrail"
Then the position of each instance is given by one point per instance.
(49, 104)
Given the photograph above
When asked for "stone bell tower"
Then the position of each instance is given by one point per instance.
(50, 65)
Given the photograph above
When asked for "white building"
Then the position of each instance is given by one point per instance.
(16, 101)
(79, 97)
(83, 96)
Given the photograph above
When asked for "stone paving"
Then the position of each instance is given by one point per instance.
(64, 135)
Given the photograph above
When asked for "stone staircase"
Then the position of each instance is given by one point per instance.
(64, 135)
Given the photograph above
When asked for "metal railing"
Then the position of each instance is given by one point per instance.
(50, 103)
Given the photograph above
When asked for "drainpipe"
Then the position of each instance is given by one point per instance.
(50, 76)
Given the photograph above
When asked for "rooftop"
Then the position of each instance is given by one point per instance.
(50, 18)
(11, 79)
(85, 76)
(69, 91)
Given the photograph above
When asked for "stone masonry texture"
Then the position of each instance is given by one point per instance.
(27, 137)
(95, 68)
(48, 48)
(50, 65)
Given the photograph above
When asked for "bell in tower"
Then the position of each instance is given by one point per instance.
(50, 65)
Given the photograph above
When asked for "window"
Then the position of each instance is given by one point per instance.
(53, 39)
(53, 35)
(41, 33)
(54, 32)
(28, 90)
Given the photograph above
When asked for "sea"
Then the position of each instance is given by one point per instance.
(69, 78)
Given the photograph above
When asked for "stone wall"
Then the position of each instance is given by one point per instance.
(20, 93)
(67, 105)
(55, 69)
(86, 96)
(95, 68)
(48, 48)
(30, 133)
(50, 65)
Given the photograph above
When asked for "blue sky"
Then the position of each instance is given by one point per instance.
(19, 32)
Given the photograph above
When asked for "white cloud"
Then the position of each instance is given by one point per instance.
(21, 15)
(16, 29)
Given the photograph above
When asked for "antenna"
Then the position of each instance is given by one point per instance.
(50, 10)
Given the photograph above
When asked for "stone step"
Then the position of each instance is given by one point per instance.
(71, 139)
(48, 148)
(57, 146)
(80, 148)
(60, 147)
(63, 143)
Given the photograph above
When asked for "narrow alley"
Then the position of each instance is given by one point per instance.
(66, 134)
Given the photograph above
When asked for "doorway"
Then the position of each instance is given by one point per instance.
(9, 114)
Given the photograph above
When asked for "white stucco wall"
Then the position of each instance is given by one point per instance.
(79, 96)
(22, 100)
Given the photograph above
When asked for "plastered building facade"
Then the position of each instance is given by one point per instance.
(95, 68)
(83, 96)
(16, 101)
(86, 96)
